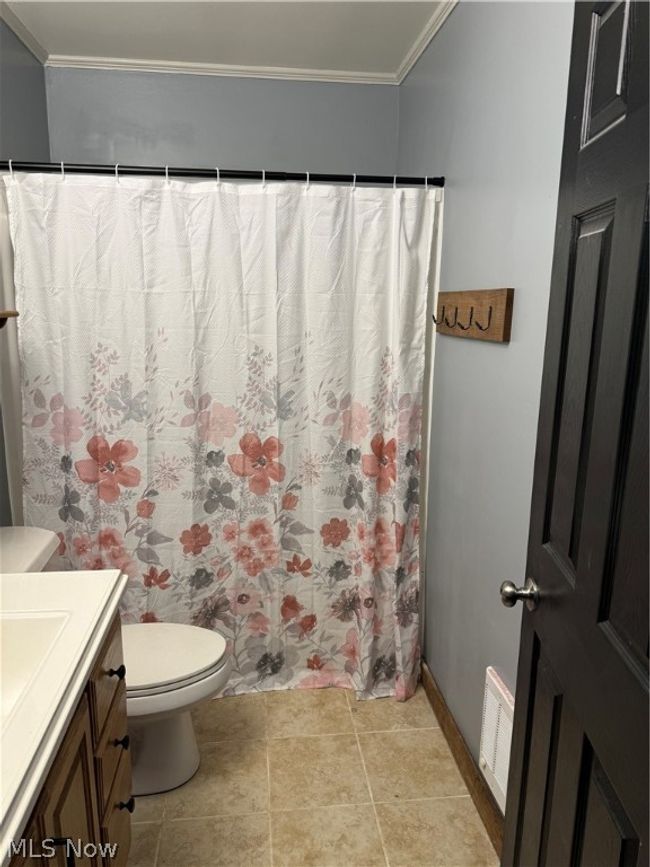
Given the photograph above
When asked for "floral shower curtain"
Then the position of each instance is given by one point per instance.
(222, 396)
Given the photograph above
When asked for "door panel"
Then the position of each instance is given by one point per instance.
(578, 787)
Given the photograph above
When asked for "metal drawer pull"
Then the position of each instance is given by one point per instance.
(127, 805)
(122, 742)
(119, 673)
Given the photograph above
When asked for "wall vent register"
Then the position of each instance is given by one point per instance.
(496, 734)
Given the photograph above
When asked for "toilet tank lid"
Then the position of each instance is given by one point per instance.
(26, 549)
(160, 654)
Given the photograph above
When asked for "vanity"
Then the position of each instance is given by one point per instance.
(65, 782)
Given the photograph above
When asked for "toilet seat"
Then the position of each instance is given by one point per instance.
(163, 657)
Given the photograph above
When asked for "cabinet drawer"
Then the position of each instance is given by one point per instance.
(114, 742)
(105, 680)
(116, 826)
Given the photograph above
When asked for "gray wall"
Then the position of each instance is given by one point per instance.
(23, 108)
(101, 116)
(23, 136)
(485, 107)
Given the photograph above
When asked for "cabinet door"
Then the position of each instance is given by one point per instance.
(68, 805)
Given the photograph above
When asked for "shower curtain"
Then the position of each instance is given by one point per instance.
(222, 396)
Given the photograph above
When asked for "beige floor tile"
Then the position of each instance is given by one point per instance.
(234, 841)
(439, 833)
(327, 837)
(148, 808)
(144, 844)
(386, 714)
(235, 718)
(317, 771)
(307, 712)
(410, 764)
(232, 778)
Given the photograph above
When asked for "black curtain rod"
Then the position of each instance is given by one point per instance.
(225, 174)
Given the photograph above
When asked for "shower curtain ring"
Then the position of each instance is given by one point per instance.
(62, 171)
(426, 183)
(117, 177)
(307, 180)
(167, 174)
(216, 168)
(11, 168)
(354, 182)
(394, 182)
(263, 179)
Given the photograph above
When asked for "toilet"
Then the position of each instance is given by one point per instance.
(170, 668)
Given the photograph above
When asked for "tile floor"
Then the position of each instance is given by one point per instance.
(314, 778)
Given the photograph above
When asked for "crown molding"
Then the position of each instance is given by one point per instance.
(433, 25)
(333, 76)
(336, 76)
(14, 23)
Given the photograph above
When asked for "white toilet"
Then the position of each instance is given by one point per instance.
(170, 668)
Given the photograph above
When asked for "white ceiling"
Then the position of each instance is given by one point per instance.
(374, 42)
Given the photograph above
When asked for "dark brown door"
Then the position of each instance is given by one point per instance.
(578, 788)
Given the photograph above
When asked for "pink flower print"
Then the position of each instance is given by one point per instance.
(307, 624)
(217, 423)
(154, 578)
(67, 426)
(400, 532)
(350, 651)
(335, 532)
(384, 548)
(380, 464)
(107, 468)
(409, 424)
(289, 501)
(244, 600)
(230, 532)
(145, 508)
(355, 422)
(195, 539)
(82, 544)
(258, 462)
(258, 623)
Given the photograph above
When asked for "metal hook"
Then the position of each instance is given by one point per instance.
(442, 317)
(452, 324)
(471, 317)
(485, 327)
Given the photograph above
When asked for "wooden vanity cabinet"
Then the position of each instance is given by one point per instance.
(87, 794)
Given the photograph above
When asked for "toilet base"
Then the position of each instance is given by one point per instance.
(164, 753)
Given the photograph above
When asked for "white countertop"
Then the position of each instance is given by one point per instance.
(52, 625)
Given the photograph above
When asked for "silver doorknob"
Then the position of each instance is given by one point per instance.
(529, 593)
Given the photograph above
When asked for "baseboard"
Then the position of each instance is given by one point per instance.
(484, 802)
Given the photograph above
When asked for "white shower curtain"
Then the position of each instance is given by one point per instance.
(222, 396)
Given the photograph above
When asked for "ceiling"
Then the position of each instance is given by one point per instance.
(374, 42)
